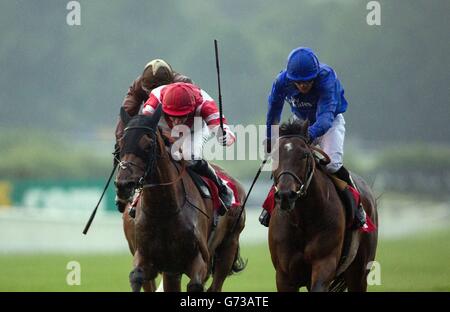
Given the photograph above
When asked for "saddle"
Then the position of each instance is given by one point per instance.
(201, 184)
(208, 189)
(350, 202)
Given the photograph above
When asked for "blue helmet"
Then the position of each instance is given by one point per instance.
(302, 65)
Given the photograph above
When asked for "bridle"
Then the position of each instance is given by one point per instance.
(310, 165)
(143, 182)
(144, 179)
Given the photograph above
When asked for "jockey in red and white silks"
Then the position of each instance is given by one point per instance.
(182, 103)
(185, 104)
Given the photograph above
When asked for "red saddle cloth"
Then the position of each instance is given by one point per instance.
(269, 205)
(215, 192)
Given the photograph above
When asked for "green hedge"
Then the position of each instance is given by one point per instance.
(34, 154)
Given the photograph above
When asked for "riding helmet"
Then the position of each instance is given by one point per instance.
(178, 99)
(156, 73)
(302, 65)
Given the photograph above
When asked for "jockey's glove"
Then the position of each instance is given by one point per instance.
(224, 139)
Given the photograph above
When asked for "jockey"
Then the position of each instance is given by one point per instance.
(314, 93)
(182, 103)
(156, 73)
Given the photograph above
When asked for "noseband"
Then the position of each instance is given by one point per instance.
(304, 184)
(151, 163)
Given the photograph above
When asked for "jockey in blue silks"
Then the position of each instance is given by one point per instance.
(314, 93)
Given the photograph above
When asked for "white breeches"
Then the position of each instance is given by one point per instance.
(332, 143)
(190, 145)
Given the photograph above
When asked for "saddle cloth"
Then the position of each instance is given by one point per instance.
(269, 205)
(209, 189)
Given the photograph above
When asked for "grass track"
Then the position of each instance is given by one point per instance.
(417, 263)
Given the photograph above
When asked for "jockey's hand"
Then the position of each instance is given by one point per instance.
(225, 139)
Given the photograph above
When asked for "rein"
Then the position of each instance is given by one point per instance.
(309, 172)
(150, 166)
(180, 176)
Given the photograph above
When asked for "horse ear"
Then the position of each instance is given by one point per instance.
(124, 116)
(157, 115)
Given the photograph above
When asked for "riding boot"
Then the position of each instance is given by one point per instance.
(360, 214)
(264, 218)
(203, 168)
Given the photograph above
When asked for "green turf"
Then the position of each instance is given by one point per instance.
(418, 263)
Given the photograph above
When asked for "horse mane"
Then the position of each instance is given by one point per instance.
(295, 127)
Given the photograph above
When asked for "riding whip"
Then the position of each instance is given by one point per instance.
(218, 82)
(88, 224)
(249, 191)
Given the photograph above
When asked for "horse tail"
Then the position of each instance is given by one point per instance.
(239, 263)
(338, 285)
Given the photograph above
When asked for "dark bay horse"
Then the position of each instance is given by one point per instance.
(308, 224)
(172, 230)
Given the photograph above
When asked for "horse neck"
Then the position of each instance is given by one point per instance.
(316, 193)
(167, 197)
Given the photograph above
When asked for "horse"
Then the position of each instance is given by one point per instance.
(172, 232)
(308, 225)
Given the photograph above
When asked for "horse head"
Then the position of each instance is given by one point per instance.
(138, 150)
(295, 165)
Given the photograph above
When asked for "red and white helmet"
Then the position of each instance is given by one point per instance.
(178, 100)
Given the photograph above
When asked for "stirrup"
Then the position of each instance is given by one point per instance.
(132, 212)
(360, 218)
(226, 196)
(264, 218)
(223, 208)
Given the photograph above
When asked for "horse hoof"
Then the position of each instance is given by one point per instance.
(136, 279)
(195, 287)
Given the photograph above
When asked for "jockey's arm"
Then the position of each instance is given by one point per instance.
(134, 98)
(151, 105)
(326, 108)
(132, 103)
(275, 107)
(210, 114)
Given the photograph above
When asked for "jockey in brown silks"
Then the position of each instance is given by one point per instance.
(156, 73)
(185, 104)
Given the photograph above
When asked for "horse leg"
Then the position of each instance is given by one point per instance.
(141, 275)
(227, 251)
(197, 274)
(322, 273)
(128, 228)
(172, 282)
(356, 274)
(223, 262)
(284, 283)
(149, 285)
(356, 278)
